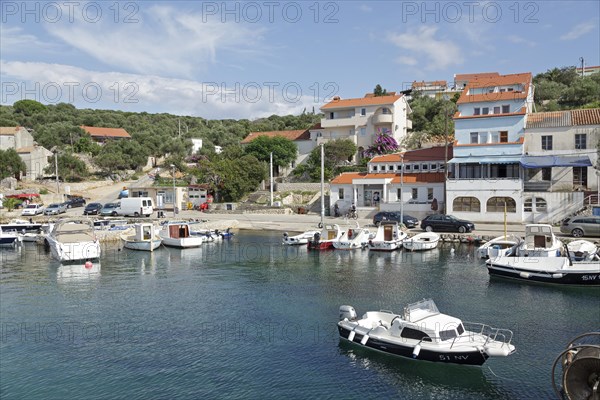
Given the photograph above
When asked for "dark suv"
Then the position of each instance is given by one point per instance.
(75, 201)
(409, 221)
(442, 222)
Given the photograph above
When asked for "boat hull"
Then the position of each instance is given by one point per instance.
(144, 245)
(384, 246)
(72, 252)
(464, 358)
(320, 246)
(581, 278)
(183, 243)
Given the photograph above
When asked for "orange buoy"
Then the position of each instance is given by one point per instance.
(88, 265)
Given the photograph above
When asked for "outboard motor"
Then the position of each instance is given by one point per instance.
(347, 312)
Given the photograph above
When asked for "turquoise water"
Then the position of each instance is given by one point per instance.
(249, 318)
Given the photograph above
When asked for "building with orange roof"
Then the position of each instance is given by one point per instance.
(101, 135)
(33, 155)
(361, 119)
(411, 180)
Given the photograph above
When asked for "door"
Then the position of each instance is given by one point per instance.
(368, 198)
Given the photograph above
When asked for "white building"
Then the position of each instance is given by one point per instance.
(34, 156)
(361, 119)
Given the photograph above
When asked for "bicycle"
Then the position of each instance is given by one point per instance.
(351, 215)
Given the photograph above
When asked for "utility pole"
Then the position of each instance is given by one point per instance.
(271, 175)
(582, 65)
(401, 189)
(174, 191)
(445, 157)
(56, 171)
(322, 185)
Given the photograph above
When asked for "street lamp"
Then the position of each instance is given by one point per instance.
(174, 192)
(401, 187)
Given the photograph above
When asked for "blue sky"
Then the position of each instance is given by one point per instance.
(254, 59)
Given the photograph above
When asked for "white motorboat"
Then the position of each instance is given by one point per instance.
(324, 239)
(178, 235)
(423, 333)
(300, 239)
(561, 270)
(389, 237)
(142, 236)
(73, 240)
(9, 239)
(422, 241)
(353, 238)
(540, 241)
(583, 250)
(500, 246)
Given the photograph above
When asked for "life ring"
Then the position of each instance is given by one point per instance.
(349, 233)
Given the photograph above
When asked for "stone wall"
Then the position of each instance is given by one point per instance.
(300, 187)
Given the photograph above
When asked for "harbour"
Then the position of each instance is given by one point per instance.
(249, 317)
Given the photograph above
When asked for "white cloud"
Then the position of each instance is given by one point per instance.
(407, 60)
(579, 30)
(365, 8)
(163, 41)
(519, 40)
(55, 83)
(438, 52)
(15, 40)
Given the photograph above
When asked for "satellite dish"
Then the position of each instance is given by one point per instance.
(581, 370)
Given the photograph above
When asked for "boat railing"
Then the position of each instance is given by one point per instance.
(497, 334)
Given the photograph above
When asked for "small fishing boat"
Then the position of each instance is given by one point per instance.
(142, 237)
(389, 237)
(9, 239)
(423, 333)
(500, 246)
(422, 241)
(73, 240)
(324, 240)
(20, 225)
(561, 270)
(178, 235)
(353, 238)
(540, 241)
(583, 250)
(300, 239)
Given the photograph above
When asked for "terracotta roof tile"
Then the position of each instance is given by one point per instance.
(426, 177)
(9, 130)
(429, 154)
(476, 76)
(589, 116)
(556, 119)
(523, 79)
(95, 131)
(364, 101)
(300, 134)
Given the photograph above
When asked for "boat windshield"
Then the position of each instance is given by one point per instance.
(425, 306)
(452, 333)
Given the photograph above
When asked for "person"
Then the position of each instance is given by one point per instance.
(336, 210)
(376, 197)
(353, 208)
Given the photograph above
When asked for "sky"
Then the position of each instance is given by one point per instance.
(221, 60)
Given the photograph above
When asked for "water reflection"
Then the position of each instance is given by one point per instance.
(80, 272)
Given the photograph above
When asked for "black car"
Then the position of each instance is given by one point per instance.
(75, 201)
(92, 209)
(409, 221)
(442, 222)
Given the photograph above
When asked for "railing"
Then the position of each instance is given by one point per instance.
(497, 334)
(591, 200)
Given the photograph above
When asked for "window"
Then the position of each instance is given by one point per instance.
(331, 114)
(398, 167)
(425, 167)
(483, 137)
(528, 204)
(385, 111)
(363, 131)
(485, 110)
(429, 194)
(399, 194)
(441, 167)
(448, 334)
(468, 204)
(508, 171)
(580, 141)
(476, 111)
(546, 174)
(503, 136)
(505, 108)
(474, 137)
(433, 167)
(495, 137)
(390, 167)
(502, 90)
(580, 176)
(374, 168)
(415, 193)
(496, 204)
(363, 111)
(416, 167)
(407, 167)
(510, 89)
(409, 333)
(496, 109)
(546, 142)
(540, 204)
(341, 193)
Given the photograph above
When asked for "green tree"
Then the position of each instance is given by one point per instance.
(284, 150)
(11, 164)
(29, 107)
(337, 154)
(379, 91)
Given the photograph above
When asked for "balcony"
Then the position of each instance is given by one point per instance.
(383, 119)
(357, 120)
(536, 186)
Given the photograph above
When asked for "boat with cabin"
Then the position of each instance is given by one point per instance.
(423, 333)
(353, 238)
(324, 239)
(72, 240)
(389, 237)
(539, 241)
(142, 236)
(178, 235)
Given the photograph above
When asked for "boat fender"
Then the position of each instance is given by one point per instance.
(557, 276)
(285, 234)
(364, 339)
(524, 275)
(416, 351)
(349, 233)
(351, 335)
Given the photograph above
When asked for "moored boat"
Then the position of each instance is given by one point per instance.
(352, 238)
(324, 240)
(539, 241)
(178, 235)
(142, 237)
(9, 239)
(560, 270)
(389, 237)
(583, 250)
(423, 333)
(72, 240)
(422, 241)
(300, 239)
(500, 246)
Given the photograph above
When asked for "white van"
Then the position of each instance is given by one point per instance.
(135, 206)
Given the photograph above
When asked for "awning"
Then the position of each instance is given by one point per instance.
(555, 161)
(23, 195)
(506, 159)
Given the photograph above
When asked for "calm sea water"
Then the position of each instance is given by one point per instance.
(249, 318)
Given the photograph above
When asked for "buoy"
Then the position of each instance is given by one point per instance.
(351, 336)
(416, 351)
(88, 265)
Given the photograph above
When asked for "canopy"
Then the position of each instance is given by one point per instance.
(505, 159)
(23, 195)
(555, 161)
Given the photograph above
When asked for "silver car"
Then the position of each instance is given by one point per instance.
(581, 226)
(55, 209)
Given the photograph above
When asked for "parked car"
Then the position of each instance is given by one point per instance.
(33, 209)
(581, 226)
(75, 201)
(92, 209)
(55, 209)
(442, 222)
(408, 220)
(110, 209)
